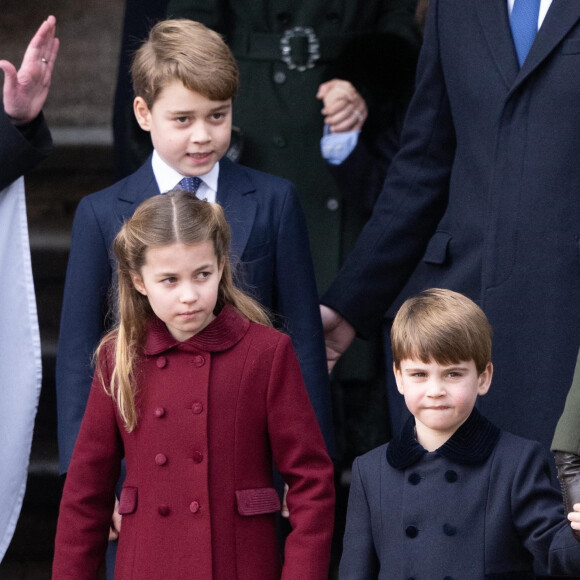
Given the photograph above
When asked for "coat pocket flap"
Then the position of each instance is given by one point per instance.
(436, 252)
(128, 500)
(252, 502)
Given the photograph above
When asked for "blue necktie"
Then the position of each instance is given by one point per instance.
(190, 184)
(524, 25)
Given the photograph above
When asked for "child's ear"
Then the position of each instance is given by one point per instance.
(142, 113)
(397, 372)
(484, 379)
(138, 283)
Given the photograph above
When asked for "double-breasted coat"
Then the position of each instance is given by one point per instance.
(270, 254)
(483, 198)
(198, 499)
(482, 506)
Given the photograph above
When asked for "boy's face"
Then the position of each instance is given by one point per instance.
(441, 397)
(190, 132)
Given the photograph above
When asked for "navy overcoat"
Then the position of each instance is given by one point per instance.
(484, 198)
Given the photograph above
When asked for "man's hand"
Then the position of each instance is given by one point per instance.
(344, 109)
(338, 334)
(25, 90)
(116, 518)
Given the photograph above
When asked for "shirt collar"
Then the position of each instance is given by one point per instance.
(167, 178)
(471, 444)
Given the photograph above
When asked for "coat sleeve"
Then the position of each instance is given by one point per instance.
(359, 559)
(411, 204)
(301, 458)
(296, 302)
(538, 514)
(88, 279)
(89, 491)
(20, 150)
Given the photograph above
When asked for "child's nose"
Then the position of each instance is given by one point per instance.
(435, 388)
(200, 133)
(188, 293)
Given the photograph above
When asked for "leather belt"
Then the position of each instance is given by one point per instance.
(299, 47)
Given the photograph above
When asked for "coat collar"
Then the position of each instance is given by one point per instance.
(493, 14)
(471, 444)
(140, 185)
(223, 332)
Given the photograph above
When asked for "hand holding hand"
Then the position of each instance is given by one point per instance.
(338, 334)
(25, 90)
(344, 109)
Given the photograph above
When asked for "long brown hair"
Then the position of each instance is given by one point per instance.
(175, 217)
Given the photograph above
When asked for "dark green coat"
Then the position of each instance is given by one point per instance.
(372, 43)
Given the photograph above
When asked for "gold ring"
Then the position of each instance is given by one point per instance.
(44, 60)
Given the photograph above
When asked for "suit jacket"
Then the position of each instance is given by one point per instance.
(269, 248)
(480, 507)
(21, 149)
(198, 500)
(483, 198)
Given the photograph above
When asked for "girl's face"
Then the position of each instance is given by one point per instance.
(181, 282)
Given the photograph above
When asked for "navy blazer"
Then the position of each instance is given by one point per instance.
(483, 198)
(270, 249)
(480, 507)
(21, 150)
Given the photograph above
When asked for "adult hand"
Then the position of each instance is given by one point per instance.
(343, 107)
(25, 90)
(116, 519)
(338, 334)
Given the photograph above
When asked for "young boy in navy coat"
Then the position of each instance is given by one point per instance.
(185, 78)
(453, 496)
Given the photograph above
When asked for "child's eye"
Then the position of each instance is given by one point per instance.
(203, 275)
(181, 120)
(455, 374)
(217, 117)
(169, 280)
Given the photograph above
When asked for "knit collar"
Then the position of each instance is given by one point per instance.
(225, 330)
(471, 444)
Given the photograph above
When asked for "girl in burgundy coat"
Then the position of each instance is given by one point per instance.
(200, 396)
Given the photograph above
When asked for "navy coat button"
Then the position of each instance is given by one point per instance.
(194, 507)
(160, 459)
(163, 510)
(279, 141)
(161, 362)
(412, 532)
(198, 360)
(449, 530)
(159, 412)
(451, 476)
(448, 578)
(414, 479)
(197, 457)
(197, 408)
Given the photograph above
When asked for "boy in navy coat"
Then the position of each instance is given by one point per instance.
(452, 496)
(185, 79)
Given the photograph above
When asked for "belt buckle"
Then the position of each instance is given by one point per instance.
(313, 47)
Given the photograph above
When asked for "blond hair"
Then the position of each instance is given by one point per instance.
(187, 51)
(175, 217)
(442, 326)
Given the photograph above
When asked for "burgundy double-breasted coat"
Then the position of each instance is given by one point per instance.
(198, 501)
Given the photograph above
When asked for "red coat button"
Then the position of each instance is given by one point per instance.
(159, 412)
(163, 510)
(198, 457)
(161, 362)
(197, 407)
(160, 459)
(194, 507)
(198, 360)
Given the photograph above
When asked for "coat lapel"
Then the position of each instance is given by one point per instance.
(493, 15)
(235, 195)
(561, 17)
(138, 187)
